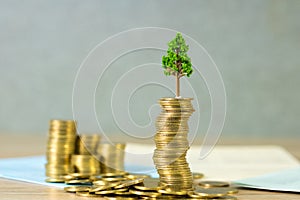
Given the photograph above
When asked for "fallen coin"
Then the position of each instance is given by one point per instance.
(207, 192)
(211, 184)
(99, 188)
(114, 179)
(197, 175)
(150, 184)
(172, 192)
(78, 181)
(103, 192)
(100, 182)
(136, 176)
(55, 180)
(129, 183)
(145, 193)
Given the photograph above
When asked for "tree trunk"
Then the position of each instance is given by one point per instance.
(177, 85)
(178, 64)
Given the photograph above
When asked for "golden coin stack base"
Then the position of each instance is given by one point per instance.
(60, 147)
(172, 144)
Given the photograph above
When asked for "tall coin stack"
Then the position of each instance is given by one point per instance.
(87, 144)
(60, 147)
(85, 164)
(83, 161)
(172, 144)
(111, 157)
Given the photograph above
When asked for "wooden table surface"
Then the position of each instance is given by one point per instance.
(16, 145)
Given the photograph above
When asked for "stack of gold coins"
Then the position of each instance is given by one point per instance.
(172, 144)
(85, 164)
(87, 144)
(111, 157)
(60, 147)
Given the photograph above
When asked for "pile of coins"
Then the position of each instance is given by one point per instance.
(60, 147)
(123, 185)
(111, 157)
(172, 144)
(74, 164)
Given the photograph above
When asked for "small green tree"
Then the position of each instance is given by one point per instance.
(177, 62)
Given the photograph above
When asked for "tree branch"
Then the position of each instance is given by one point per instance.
(181, 75)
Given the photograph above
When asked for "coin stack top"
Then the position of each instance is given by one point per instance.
(172, 144)
(60, 147)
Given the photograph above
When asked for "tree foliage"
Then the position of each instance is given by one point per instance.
(177, 62)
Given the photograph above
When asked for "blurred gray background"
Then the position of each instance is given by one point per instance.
(256, 45)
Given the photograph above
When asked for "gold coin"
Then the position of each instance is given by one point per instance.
(168, 196)
(78, 181)
(151, 198)
(170, 192)
(79, 175)
(111, 184)
(68, 177)
(99, 188)
(210, 184)
(169, 100)
(129, 183)
(197, 175)
(136, 176)
(100, 182)
(225, 190)
(55, 180)
(103, 192)
(120, 198)
(150, 184)
(232, 190)
(145, 193)
(77, 189)
(208, 192)
(125, 193)
(114, 179)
